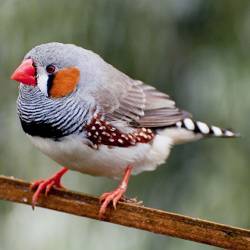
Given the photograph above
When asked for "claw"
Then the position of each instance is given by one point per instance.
(116, 195)
(49, 186)
(46, 185)
(116, 199)
(113, 197)
(103, 197)
(35, 184)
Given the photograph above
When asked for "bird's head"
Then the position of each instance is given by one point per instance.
(53, 68)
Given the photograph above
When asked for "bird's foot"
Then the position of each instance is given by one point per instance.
(109, 197)
(115, 195)
(46, 185)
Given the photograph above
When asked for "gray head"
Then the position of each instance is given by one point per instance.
(56, 68)
(59, 54)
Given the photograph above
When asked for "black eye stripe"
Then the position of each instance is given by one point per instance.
(50, 83)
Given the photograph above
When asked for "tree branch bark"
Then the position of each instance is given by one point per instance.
(131, 215)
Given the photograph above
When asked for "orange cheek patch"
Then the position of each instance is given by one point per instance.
(64, 82)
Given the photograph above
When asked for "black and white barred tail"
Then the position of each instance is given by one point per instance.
(204, 129)
(189, 130)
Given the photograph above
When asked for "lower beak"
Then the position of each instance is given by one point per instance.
(25, 73)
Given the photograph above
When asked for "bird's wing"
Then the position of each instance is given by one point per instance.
(142, 105)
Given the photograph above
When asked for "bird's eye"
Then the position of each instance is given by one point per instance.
(50, 68)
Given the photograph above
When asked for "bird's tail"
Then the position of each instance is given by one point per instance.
(189, 130)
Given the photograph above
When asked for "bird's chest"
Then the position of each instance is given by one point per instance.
(43, 129)
(43, 123)
(49, 118)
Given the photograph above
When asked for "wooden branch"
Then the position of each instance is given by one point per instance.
(131, 215)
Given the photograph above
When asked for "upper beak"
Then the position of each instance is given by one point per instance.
(25, 73)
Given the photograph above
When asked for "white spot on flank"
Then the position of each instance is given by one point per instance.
(189, 124)
(178, 124)
(105, 134)
(120, 141)
(203, 127)
(217, 131)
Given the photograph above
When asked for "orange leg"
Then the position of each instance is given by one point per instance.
(46, 185)
(115, 195)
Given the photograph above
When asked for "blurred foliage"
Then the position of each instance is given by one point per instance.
(198, 51)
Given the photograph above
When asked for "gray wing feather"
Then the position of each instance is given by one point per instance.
(144, 106)
(122, 99)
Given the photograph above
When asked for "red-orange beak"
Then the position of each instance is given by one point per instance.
(25, 73)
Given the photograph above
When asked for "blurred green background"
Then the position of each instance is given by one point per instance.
(198, 52)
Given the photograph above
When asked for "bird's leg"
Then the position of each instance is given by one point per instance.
(46, 185)
(115, 195)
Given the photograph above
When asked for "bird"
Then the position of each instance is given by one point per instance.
(90, 117)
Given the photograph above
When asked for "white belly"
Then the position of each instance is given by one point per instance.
(74, 154)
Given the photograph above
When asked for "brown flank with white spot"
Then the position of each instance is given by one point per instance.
(101, 132)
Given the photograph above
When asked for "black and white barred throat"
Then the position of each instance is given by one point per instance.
(50, 118)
